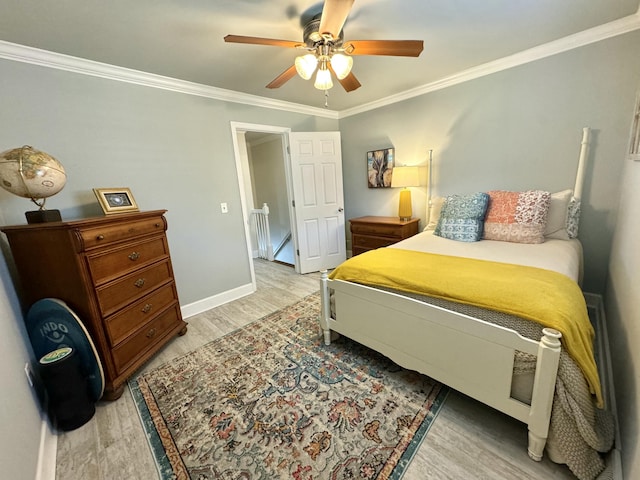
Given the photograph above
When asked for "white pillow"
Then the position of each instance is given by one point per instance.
(557, 216)
(436, 207)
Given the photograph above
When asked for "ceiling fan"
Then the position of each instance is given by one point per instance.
(327, 52)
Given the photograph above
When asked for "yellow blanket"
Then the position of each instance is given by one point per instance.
(543, 296)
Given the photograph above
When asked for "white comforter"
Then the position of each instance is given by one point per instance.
(562, 256)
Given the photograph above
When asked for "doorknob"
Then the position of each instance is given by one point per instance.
(341, 209)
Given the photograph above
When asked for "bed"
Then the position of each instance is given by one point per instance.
(479, 335)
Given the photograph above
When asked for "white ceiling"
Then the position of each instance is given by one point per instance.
(183, 39)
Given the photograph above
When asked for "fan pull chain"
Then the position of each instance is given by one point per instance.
(326, 99)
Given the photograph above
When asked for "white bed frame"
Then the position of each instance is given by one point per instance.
(467, 354)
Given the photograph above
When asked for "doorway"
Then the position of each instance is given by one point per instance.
(275, 140)
(268, 175)
(314, 192)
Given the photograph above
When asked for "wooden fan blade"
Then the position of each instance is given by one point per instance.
(334, 14)
(283, 78)
(262, 41)
(349, 83)
(399, 48)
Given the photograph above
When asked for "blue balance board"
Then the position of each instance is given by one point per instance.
(51, 325)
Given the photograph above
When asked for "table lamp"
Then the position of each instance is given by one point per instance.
(406, 176)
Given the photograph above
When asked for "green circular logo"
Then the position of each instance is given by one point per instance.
(56, 355)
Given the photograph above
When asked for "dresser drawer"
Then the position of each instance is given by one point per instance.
(119, 261)
(368, 233)
(134, 347)
(118, 294)
(371, 242)
(107, 234)
(379, 229)
(120, 325)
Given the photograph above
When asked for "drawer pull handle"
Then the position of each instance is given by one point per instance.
(100, 237)
(133, 256)
(151, 333)
(139, 283)
(157, 225)
(147, 308)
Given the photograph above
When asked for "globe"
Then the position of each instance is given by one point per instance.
(30, 173)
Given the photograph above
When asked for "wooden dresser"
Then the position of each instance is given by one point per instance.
(368, 233)
(115, 273)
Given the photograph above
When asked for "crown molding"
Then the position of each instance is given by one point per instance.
(59, 61)
(35, 56)
(602, 32)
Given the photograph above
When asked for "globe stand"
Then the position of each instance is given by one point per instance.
(43, 216)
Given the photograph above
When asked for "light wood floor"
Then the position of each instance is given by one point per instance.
(468, 440)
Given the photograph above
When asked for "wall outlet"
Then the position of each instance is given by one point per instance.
(28, 373)
(224, 208)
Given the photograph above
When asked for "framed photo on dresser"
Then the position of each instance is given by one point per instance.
(116, 200)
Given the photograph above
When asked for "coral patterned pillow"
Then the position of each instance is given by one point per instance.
(519, 217)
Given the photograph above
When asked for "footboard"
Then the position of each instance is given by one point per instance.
(469, 355)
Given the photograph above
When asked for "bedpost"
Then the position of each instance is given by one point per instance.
(429, 186)
(584, 150)
(325, 311)
(544, 385)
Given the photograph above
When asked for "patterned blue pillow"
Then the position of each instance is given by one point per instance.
(462, 217)
(573, 218)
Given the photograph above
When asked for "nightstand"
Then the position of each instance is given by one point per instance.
(368, 233)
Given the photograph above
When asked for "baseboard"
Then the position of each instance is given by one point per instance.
(216, 300)
(605, 370)
(46, 469)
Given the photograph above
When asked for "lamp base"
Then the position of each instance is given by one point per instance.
(43, 216)
(404, 206)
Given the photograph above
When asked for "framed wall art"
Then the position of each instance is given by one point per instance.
(379, 168)
(116, 200)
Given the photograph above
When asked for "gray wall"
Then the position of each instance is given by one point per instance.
(20, 417)
(516, 129)
(623, 315)
(174, 151)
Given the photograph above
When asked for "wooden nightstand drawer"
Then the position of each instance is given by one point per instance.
(370, 242)
(368, 233)
(380, 230)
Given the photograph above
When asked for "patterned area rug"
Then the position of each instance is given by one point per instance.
(270, 400)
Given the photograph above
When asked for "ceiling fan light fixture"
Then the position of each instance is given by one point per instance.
(341, 65)
(306, 65)
(323, 79)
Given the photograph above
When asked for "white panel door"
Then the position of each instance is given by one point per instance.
(316, 174)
